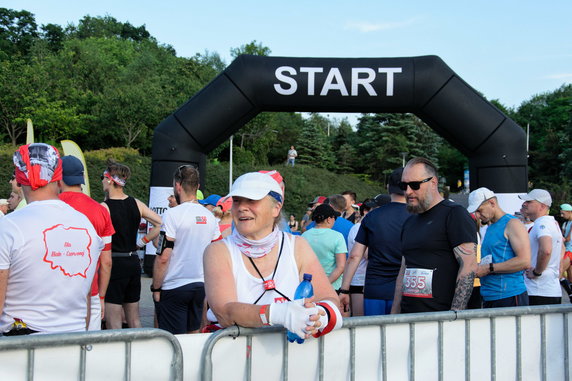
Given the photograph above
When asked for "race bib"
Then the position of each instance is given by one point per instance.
(418, 283)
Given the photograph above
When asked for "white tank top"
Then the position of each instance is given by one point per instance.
(250, 287)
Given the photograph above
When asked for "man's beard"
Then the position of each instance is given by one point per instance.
(422, 206)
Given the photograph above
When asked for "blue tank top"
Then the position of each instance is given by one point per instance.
(500, 286)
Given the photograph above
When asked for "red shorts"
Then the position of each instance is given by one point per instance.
(569, 255)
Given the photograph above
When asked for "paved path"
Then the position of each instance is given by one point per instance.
(146, 307)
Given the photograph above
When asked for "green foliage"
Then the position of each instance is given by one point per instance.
(384, 139)
(18, 30)
(106, 83)
(137, 186)
(313, 146)
(549, 116)
(252, 48)
(303, 183)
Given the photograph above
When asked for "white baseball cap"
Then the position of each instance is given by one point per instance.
(3, 201)
(539, 195)
(477, 197)
(255, 186)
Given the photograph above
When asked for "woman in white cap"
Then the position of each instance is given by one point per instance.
(251, 275)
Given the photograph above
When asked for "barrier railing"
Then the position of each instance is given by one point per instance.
(544, 355)
(86, 342)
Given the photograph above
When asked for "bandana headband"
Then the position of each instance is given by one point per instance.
(114, 178)
(37, 165)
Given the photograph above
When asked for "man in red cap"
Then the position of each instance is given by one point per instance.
(71, 193)
(48, 253)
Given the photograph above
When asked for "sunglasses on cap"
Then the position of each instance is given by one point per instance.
(414, 185)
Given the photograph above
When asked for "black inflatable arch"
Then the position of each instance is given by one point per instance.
(425, 86)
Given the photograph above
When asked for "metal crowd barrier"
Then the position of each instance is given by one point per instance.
(86, 340)
(384, 322)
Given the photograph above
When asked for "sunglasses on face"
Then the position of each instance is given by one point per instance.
(414, 185)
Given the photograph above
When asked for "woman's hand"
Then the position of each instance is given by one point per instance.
(315, 322)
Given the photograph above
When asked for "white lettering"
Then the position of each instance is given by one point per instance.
(360, 76)
(365, 82)
(389, 71)
(279, 73)
(311, 77)
(329, 84)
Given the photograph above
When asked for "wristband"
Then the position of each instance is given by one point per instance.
(262, 313)
(145, 239)
(101, 297)
(491, 268)
(155, 289)
(342, 291)
(535, 273)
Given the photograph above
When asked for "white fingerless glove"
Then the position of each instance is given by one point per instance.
(291, 315)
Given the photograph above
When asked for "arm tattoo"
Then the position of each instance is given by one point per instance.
(462, 250)
(463, 291)
(464, 286)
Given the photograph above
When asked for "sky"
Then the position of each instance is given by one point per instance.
(508, 50)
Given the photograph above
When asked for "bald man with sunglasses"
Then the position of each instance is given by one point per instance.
(438, 245)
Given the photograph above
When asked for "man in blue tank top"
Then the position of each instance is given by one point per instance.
(505, 252)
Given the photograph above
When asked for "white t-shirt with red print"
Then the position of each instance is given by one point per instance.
(193, 227)
(51, 251)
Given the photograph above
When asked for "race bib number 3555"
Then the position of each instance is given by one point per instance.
(418, 283)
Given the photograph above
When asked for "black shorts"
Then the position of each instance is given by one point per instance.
(125, 281)
(542, 300)
(356, 289)
(180, 309)
(511, 301)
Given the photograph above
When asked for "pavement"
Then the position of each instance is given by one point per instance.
(146, 306)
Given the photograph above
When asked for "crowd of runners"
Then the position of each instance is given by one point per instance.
(69, 263)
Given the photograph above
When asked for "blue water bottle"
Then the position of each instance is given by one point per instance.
(304, 290)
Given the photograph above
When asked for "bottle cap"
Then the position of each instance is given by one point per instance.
(308, 277)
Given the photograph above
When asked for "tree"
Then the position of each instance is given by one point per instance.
(54, 35)
(549, 116)
(21, 84)
(252, 48)
(313, 146)
(18, 30)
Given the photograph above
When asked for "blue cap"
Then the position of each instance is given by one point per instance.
(211, 200)
(307, 277)
(72, 170)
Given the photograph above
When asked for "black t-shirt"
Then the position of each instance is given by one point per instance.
(428, 240)
(380, 231)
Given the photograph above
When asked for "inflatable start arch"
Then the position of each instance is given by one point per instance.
(425, 86)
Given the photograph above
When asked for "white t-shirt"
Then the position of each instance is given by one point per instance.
(51, 251)
(548, 283)
(193, 227)
(359, 276)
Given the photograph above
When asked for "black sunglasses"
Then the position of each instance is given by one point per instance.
(414, 185)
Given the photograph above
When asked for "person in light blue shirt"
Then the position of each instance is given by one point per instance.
(505, 253)
(329, 245)
(338, 203)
